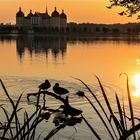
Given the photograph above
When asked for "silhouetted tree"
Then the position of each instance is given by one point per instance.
(115, 30)
(131, 7)
(105, 30)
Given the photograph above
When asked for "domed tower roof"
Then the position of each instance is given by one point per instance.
(20, 13)
(36, 14)
(55, 13)
(30, 14)
(63, 15)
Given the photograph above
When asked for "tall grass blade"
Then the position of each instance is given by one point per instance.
(120, 113)
(91, 128)
(4, 138)
(34, 128)
(94, 96)
(107, 102)
(4, 88)
(38, 99)
(24, 125)
(99, 116)
(105, 97)
(12, 116)
(26, 118)
(130, 106)
(17, 124)
(131, 131)
(124, 116)
(54, 131)
(40, 134)
(131, 109)
(31, 128)
(7, 117)
(33, 134)
(117, 123)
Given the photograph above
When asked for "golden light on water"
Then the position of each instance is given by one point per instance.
(138, 61)
(136, 83)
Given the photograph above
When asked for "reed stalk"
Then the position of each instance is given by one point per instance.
(94, 96)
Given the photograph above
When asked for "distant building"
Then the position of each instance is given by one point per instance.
(55, 21)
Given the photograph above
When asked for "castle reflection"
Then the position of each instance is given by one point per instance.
(57, 45)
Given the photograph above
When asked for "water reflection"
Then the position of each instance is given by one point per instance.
(57, 45)
(63, 56)
(116, 39)
(41, 45)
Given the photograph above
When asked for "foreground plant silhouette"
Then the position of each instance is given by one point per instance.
(131, 7)
(27, 129)
(120, 124)
(23, 130)
(117, 128)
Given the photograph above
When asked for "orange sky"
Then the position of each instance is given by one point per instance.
(94, 11)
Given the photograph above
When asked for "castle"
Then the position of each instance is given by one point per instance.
(42, 20)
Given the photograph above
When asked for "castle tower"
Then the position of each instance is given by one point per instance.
(30, 14)
(46, 18)
(27, 19)
(19, 18)
(55, 19)
(42, 20)
(63, 21)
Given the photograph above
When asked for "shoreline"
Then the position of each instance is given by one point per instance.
(70, 34)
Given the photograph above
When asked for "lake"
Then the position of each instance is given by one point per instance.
(26, 61)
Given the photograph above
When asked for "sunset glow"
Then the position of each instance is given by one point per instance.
(92, 11)
(136, 82)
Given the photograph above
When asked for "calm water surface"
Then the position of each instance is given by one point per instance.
(58, 58)
(25, 62)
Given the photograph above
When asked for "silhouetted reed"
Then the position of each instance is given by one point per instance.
(25, 130)
(67, 115)
(121, 124)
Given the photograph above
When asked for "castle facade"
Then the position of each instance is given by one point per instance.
(43, 20)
